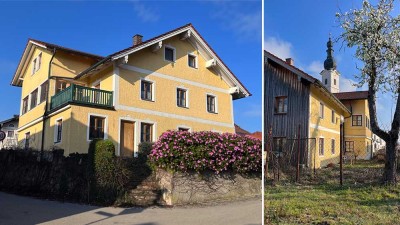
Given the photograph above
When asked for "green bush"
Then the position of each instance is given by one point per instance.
(145, 148)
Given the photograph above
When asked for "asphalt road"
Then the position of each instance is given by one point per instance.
(21, 210)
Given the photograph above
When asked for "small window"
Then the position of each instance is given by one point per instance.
(281, 104)
(334, 81)
(333, 116)
(333, 146)
(44, 91)
(211, 104)
(357, 120)
(367, 123)
(326, 81)
(34, 66)
(58, 131)
(147, 90)
(183, 129)
(96, 127)
(25, 105)
(146, 132)
(34, 98)
(321, 146)
(10, 133)
(181, 98)
(36, 63)
(61, 85)
(192, 61)
(321, 110)
(169, 54)
(279, 144)
(11, 125)
(349, 146)
(27, 139)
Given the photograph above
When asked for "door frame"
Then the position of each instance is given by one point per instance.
(135, 135)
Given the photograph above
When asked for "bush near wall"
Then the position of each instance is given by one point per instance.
(199, 151)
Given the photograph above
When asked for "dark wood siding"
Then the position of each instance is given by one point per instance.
(279, 81)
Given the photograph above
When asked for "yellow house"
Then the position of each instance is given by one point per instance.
(174, 81)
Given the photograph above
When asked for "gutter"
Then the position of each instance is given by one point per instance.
(46, 104)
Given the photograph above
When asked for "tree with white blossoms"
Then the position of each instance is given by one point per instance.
(375, 33)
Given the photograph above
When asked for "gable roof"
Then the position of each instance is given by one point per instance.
(230, 77)
(32, 43)
(353, 95)
(14, 118)
(317, 83)
(240, 131)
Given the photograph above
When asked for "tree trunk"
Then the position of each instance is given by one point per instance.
(389, 174)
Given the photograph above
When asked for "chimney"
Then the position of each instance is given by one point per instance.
(137, 39)
(290, 61)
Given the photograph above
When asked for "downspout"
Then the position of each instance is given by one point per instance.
(46, 105)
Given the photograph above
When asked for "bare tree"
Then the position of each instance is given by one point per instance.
(375, 34)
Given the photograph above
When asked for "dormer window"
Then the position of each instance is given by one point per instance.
(169, 53)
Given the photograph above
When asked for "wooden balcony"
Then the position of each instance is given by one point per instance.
(80, 95)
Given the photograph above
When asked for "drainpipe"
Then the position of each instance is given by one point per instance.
(46, 105)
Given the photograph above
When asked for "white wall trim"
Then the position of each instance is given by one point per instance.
(116, 84)
(105, 125)
(358, 136)
(173, 116)
(169, 77)
(318, 127)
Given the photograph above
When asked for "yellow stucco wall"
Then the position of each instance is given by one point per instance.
(324, 128)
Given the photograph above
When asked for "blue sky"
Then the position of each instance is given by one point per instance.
(300, 30)
(232, 28)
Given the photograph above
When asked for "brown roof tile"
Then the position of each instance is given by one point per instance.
(353, 95)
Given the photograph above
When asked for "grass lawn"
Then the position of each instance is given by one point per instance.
(321, 200)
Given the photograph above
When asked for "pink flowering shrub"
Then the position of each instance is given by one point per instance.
(185, 151)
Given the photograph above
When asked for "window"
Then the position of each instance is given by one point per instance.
(326, 81)
(349, 146)
(333, 146)
(192, 61)
(183, 129)
(211, 104)
(36, 63)
(321, 146)
(146, 90)
(281, 104)
(58, 131)
(321, 110)
(27, 137)
(279, 144)
(146, 132)
(181, 98)
(367, 123)
(169, 54)
(357, 120)
(96, 127)
(61, 85)
(334, 81)
(34, 98)
(333, 116)
(10, 133)
(25, 105)
(44, 90)
(11, 125)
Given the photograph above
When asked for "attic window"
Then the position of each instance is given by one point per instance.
(36, 63)
(169, 54)
(192, 61)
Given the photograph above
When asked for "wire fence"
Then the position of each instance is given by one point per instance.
(322, 159)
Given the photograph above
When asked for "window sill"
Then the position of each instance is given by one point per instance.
(212, 112)
(184, 107)
(147, 100)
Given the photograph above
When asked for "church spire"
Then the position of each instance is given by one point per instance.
(329, 63)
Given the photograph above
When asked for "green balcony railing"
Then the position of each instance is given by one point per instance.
(82, 95)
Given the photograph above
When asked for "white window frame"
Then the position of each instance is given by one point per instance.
(153, 130)
(319, 150)
(187, 97)
(321, 113)
(36, 63)
(196, 60)
(184, 127)
(334, 147)
(153, 89)
(174, 55)
(216, 103)
(105, 125)
(56, 130)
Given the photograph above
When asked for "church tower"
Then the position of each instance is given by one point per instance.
(330, 76)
